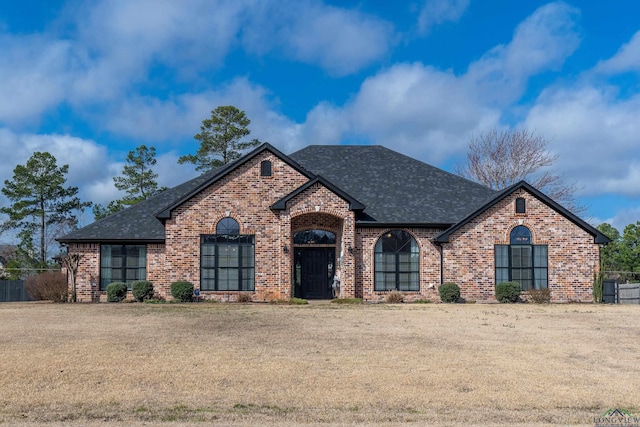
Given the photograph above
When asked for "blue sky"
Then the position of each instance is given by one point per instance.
(90, 81)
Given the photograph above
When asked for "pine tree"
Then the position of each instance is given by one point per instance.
(39, 199)
(220, 139)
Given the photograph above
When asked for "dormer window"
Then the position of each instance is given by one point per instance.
(265, 168)
(521, 206)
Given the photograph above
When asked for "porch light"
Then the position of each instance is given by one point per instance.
(350, 250)
(285, 249)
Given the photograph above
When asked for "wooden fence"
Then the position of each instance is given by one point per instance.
(629, 293)
(13, 290)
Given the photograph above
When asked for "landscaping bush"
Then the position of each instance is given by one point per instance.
(244, 297)
(449, 292)
(182, 291)
(508, 292)
(47, 286)
(142, 290)
(394, 297)
(540, 296)
(116, 292)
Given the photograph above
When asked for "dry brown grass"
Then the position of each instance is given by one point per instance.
(184, 364)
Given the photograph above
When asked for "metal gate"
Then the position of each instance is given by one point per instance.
(13, 290)
(610, 292)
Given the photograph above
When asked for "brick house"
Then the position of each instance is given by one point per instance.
(363, 220)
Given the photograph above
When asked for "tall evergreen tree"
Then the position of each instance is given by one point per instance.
(138, 180)
(39, 199)
(100, 211)
(220, 139)
(610, 253)
(630, 249)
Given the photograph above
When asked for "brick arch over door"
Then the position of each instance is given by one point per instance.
(318, 221)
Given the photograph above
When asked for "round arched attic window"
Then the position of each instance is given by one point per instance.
(228, 226)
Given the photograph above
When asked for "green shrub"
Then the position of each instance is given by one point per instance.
(47, 286)
(142, 290)
(182, 291)
(540, 296)
(116, 292)
(508, 292)
(449, 292)
(394, 297)
(422, 301)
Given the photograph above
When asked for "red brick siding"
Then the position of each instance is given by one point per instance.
(572, 260)
(245, 196)
(318, 208)
(366, 239)
(88, 277)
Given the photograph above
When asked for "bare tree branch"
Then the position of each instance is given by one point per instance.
(502, 158)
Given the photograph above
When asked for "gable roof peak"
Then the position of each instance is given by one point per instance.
(222, 171)
(597, 235)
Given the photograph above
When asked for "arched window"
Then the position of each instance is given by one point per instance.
(397, 262)
(520, 235)
(228, 226)
(522, 262)
(227, 259)
(314, 237)
(265, 168)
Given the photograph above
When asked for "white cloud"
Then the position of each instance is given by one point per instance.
(34, 75)
(339, 40)
(542, 42)
(595, 135)
(429, 113)
(620, 220)
(418, 110)
(176, 120)
(435, 12)
(626, 59)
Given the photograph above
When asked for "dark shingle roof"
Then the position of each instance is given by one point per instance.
(393, 188)
(396, 189)
(138, 222)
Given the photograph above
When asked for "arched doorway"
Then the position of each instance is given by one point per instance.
(314, 263)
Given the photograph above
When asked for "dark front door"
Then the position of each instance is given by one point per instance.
(314, 268)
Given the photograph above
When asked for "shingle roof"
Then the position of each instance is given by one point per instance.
(138, 222)
(394, 189)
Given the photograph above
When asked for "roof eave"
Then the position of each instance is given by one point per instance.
(387, 224)
(118, 240)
